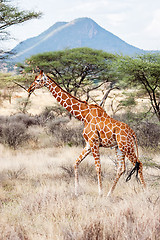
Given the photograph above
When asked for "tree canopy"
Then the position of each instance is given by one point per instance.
(11, 15)
(143, 72)
(80, 70)
(75, 69)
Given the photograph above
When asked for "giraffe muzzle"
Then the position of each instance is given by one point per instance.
(31, 88)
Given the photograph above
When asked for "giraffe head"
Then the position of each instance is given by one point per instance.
(39, 82)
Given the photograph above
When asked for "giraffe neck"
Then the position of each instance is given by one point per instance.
(76, 107)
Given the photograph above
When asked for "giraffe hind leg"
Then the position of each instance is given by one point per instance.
(81, 157)
(120, 169)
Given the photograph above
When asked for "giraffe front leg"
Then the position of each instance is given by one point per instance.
(98, 169)
(96, 155)
(81, 157)
(120, 169)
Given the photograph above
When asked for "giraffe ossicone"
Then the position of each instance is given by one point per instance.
(100, 130)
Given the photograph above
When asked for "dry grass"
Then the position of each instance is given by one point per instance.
(37, 198)
(42, 96)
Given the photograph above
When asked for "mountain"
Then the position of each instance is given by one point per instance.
(81, 32)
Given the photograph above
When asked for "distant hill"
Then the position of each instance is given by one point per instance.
(81, 32)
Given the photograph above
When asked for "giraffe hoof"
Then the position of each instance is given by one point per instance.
(76, 193)
(100, 194)
(109, 194)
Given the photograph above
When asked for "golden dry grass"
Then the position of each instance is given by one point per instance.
(37, 198)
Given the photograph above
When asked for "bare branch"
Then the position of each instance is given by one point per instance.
(21, 86)
(106, 95)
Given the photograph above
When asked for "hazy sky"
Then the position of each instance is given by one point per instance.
(135, 21)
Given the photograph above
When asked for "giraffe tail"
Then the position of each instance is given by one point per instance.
(136, 143)
(136, 168)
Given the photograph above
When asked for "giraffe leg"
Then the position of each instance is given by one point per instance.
(120, 169)
(81, 157)
(96, 155)
(133, 158)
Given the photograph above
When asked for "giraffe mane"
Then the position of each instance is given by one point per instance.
(66, 91)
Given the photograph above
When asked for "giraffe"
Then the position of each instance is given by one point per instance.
(100, 130)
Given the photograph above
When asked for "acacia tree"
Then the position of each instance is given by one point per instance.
(77, 70)
(143, 72)
(11, 15)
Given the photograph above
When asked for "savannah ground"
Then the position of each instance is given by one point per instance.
(37, 199)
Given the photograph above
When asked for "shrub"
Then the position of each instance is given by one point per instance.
(13, 134)
(65, 134)
(148, 133)
(23, 104)
(25, 119)
(2, 119)
(51, 113)
(128, 102)
(13, 129)
(46, 116)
